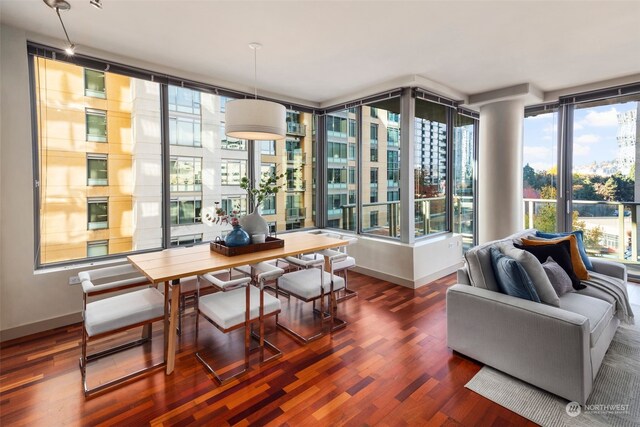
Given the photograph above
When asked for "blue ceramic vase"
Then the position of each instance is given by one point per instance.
(237, 237)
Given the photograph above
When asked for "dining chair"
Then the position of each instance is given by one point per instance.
(240, 304)
(116, 314)
(310, 284)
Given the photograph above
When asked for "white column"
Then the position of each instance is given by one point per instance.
(500, 170)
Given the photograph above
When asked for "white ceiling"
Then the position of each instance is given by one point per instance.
(323, 50)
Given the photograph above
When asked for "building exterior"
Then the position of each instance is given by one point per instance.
(627, 134)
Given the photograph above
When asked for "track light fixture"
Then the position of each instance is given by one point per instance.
(96, 3)
(59, 5)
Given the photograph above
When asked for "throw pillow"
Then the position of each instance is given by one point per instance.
(511, 277)
(580, 236)
(578, 266)
(534, 270)
(559, 279)
(560, 252)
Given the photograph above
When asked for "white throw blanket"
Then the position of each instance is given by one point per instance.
(617, 288)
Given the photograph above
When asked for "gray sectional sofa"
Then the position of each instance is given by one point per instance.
(559, 349)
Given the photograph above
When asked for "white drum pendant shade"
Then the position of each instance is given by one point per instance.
(255, 119)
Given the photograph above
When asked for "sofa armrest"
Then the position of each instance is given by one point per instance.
(540, 344)
(609, 268)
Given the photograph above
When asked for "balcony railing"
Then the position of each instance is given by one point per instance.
(297, 185)
(298, 129)
(296, 213)
(296, 156)
(610, 228)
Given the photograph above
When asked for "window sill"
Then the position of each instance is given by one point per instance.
(84, 264)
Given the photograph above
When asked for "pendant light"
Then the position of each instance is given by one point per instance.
(59, 5)
(255, 118)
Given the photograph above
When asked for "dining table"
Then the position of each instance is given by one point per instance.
(170, 265)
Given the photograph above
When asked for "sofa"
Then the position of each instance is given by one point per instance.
(558, 349)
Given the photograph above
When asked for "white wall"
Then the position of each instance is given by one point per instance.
(25, 298)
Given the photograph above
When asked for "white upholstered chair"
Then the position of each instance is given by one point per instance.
(114, 314)
(240, 304)
(310, 284)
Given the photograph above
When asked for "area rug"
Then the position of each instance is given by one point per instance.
(614, 401)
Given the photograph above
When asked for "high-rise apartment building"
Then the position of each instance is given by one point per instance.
(627, 138)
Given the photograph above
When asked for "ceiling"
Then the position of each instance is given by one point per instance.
(319, 51)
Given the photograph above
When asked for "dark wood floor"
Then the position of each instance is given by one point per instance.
(391, 366)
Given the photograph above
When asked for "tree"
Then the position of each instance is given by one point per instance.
(607, 190)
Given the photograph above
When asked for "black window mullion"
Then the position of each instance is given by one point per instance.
(166, 165)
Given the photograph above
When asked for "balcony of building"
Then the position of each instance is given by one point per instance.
(297, 129)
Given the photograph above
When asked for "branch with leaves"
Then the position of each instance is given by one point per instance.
(267, 186)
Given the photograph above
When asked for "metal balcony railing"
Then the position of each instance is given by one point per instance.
(298, 129)
(610, 228)
(297, 156)
(296, 213)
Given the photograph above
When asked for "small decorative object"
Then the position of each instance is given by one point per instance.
(258, 238)
(237, 237)
(221, 247)
(254, 223)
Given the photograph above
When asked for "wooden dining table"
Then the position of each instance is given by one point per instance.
(171, 265)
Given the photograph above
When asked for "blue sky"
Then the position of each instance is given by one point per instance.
(594, 136)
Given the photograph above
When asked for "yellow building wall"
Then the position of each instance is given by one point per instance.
(61, 105)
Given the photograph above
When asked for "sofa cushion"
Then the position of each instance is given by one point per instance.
(560, 254)
(536, 273)
(598, 312)
(580, 236)
(559, 278)
(576, 261)
(512, 278)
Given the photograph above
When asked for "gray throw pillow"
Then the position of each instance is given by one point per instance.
(536, 273)
(511, 277)
(559, 278)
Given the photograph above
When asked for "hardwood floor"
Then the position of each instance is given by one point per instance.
(390, 366)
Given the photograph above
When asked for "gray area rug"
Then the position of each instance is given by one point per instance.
(617, 383)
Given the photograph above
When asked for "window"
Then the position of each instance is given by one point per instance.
(98, 209)
(373, 153)
(184, 100)
(94, 84)
(96, 121)
(430, 168)
(186, 174)
(268, 148)
(352, 152)
(373, 219)
(185, 131)
(393, 137)
(393, 169)
(352, 175)
(393, 117)
(234, 203)
(352, 128)
(223, 103)
(337, 152)
(185, 211)
(373, 181)
(337, 177)
(373, 197)
(374, 113)
(393, 196)
(232, 171)
(373, 133)
(97, 173)
(352, 197)
(464, 154)
(336, 126)
(97, 248)
(186, 240)
(269, 206)
(95, 199)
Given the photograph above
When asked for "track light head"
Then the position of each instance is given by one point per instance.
(96, 3)
(70, 50)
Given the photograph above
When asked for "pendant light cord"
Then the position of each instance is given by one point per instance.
(63, 27)
(255, 73)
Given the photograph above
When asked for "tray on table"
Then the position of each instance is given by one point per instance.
(270, 243)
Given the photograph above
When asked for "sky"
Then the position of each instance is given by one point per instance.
(594, 136)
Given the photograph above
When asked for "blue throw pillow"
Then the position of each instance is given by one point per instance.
(511, 277)
(579, 236)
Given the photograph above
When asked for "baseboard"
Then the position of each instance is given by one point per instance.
(408, 283)
(41, 326)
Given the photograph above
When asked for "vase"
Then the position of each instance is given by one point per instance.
(254, 223)
(237, 237)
